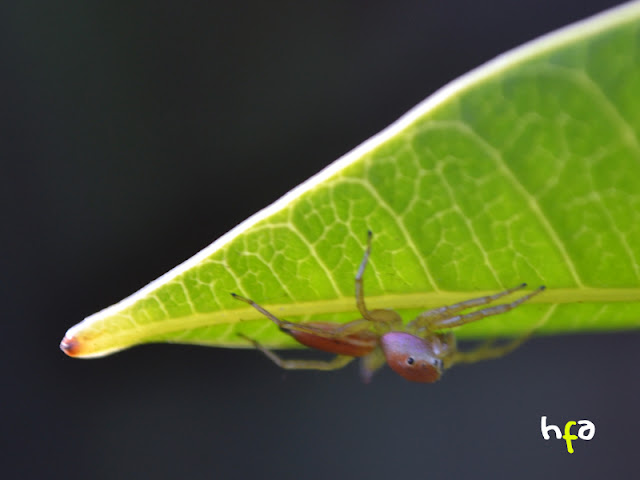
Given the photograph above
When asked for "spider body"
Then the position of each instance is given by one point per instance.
(419, 351)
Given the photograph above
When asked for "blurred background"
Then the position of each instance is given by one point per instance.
(135, 133)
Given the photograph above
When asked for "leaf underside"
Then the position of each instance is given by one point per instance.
(524, 170)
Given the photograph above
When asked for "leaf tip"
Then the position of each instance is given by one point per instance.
(70, 345)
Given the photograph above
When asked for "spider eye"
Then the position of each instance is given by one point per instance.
(410, 361)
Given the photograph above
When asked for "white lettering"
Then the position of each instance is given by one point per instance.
(545, 429)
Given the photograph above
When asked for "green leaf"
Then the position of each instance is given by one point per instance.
(526, 169)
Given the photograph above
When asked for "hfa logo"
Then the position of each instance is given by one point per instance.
(586, 431)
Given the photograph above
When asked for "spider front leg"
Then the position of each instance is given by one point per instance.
(335, 363)
(458, 320)
(431, 316)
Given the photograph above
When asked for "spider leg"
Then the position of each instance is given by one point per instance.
(370, 363)
(351, 328)
(340, 331)
(335, 363)
(488, 350)
(282, 324)
(383, 319)
(359, 283)
(479, 314)
(430, 316)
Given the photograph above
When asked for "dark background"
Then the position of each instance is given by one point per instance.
(133, 134)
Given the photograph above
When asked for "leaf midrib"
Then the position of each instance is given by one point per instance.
(396, 301)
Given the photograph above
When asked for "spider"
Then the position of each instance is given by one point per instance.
(419, 351)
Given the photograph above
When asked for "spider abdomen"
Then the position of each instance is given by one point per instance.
(355, 345)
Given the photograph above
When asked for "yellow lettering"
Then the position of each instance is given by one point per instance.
(568, 437)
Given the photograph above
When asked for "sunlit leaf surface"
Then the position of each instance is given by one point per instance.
(525, 170)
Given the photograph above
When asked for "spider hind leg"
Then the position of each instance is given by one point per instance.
(335, 363)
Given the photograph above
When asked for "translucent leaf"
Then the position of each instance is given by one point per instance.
(527, 169)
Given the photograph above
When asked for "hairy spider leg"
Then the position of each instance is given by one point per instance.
(335, 363)
(458, 320)
(430, 316)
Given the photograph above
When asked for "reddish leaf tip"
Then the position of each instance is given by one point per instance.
(70, 346)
